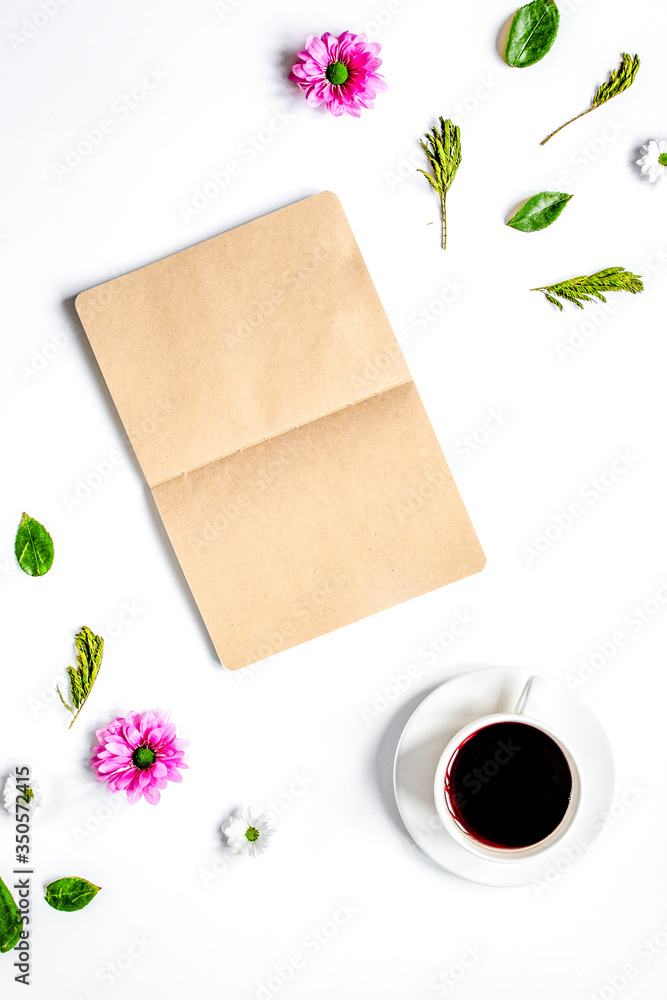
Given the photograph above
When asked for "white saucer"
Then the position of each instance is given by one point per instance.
(460, 701)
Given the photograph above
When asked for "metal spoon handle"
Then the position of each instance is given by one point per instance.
(523, 697)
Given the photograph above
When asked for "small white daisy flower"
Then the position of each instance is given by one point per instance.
(248, 833)
(654, 160)
(12, 791)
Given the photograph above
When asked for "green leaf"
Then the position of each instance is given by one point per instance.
(70, 893)
(33, 547)
(539, 211)
(11, 922)
(533, 32)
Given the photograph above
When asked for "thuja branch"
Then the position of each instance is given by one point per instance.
(443, 152)
(89, 649)
(589, 286)
(619, 80)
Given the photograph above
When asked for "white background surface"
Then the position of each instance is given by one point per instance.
(302, 712)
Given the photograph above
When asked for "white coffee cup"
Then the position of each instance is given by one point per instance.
(443, 806)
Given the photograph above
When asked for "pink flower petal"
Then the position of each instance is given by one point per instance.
(316, 47)
(107, 766)
(119, 749)
(361, 59)
(124, 780)
(111, 759)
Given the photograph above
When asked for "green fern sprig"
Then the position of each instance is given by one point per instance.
(619, 80)
(89, 649)
(588, 287)
(443, 152)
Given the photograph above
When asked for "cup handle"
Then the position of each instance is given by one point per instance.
(523, 697)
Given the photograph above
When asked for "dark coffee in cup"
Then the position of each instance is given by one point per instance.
(508, 785)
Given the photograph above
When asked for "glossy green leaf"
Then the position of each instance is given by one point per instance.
(539, 211)
(11, 923)
(33, 547)
(70, 893)
(533, 32)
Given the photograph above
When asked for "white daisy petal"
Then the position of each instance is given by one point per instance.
(649, 164)
(11, 791)
(237, 827)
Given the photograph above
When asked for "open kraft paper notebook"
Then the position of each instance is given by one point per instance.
(284, 441)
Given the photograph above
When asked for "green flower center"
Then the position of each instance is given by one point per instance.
(143, 757)
(252, 834)
(337, 73)
(28, 794)
(662, 159)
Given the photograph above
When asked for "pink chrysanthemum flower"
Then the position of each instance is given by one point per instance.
(341, 72)
(140, 755)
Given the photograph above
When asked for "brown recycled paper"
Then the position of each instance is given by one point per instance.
(283, 439)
